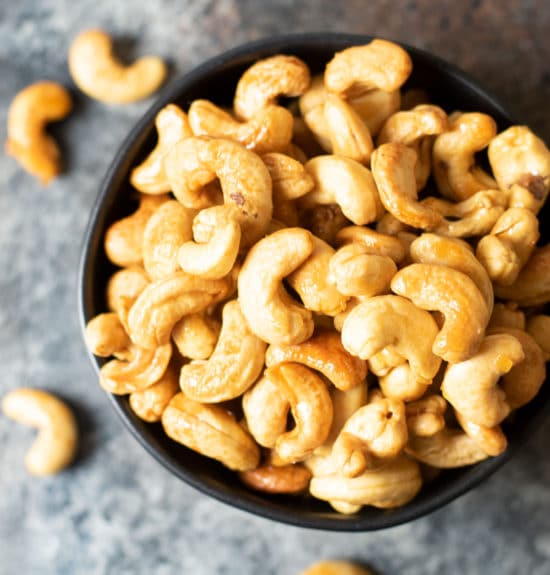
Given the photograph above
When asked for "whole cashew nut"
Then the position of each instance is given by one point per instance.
(105, 335)
(538, 327)
(28, 114)
(195, 335)
(425, 416)
(399, 382)
(490, 439)
(98, 74)
(374, 106)
(378, 244)
(289, 176)
(291, 479)
(123, 288)
(57, 441)
(336, 568)
(149, 403)
(312, 109)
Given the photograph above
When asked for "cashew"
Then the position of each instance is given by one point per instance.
(194, 162)
(124, 238)
(538, 327)
(454, 166)
(211, 431)
(195, 335)
(389, 225)
(233, 367)
(149, 403)
(490, 439)
(509, 245)
(105, 335)
(507, 315)
(425, 417)
(28, 114)
(269, 310)
(456, 296)
(379, 244)
(266, 80)
(401, 382)
(123, 288)
(57, 441)
(97, 72)
(342, 181)
(374, 106)
(325, 353)
(324, 222)
(393, 169)
(312, 109)
(290, 178)
(291, 479)
(336, 568)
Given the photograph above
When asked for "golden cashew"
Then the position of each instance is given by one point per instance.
(217, 236)
(324, 222)
(393, 169)
(379, 65)
(507, 315)
(105, 335)
(57, 441)
(378, 244)
(312, 283)
(389, 225)
(268, 130)
(454, 166)
(471, 386)
(195, 335)
(233, 367)
(456, 296)
(149, 403)
(490, 439)
(336, 568)
(172, 126)
(163, 303)
(538, 327)
(97, 72)
(291, 479)
(210, 430)
(325, 353)
(426, 416)
(166, 230)
(266, 80)
(28, 114)
(312, 109)
(290, 178)
(342, 181)
(401, 382)
(268, 308)
(194, 162)
(123, 288)
(509, 245)
(124, 238)
(374, 106)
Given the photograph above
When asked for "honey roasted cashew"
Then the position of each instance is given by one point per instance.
(324, 221)
(456, 296)
(490, 439)
(57, 440)
(234, 365)
(195, 335)
(97, 72)
(210, 430)
(507, 315)
(194, 162)
(270, 311)
(454, 166)
(425, 416)
(291, 479)
(172, 126)
(28, 114)
(538, 327)
(379, 244)
(149, 403)
(105, 335)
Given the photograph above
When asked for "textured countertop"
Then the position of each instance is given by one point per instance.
(117, 511)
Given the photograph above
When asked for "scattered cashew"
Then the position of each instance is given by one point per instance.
(538, 327)
(195, 335)
(149, 403)
(425, 416)
(336, 568)
(293, 478)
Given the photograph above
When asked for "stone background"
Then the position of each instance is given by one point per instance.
(117, 511)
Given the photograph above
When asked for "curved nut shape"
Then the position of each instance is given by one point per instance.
(195, 335)
(290, 479)
(194, 162)
(163, 303)
(105, 335)
(123, 288)
(392, 322)
(471, 386)
(509, 245)
(172, 126)
(269, 310)
(149, 403)
(325, 353)
(57, 441)
(374, 106)
(342, 181)
(378, 244)
(268, 130)
(393, 169)
(165, 232)
(454, 166)
(379, 65)
(324, 222)
(289, 176)
(538, 327)
(266, 80)
(124, 238)
(217, 237)
(211, 431)
(312, 110)
(507, 315)
(28, 114)
(402, 382)
(97, 72)
(490, 439)
(233, 367)
(426, 416)
(336, 568)
(456, 296)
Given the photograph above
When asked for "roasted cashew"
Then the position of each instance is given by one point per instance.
(509, 245)
(292, 479)
(454, 166)
(324, 222)
(507, 315)
(378, 244)
(290, 179)
(105, 335)
(268, 308)
(378, 65)
(211, 431)
(268, 130)
(149, 403)
(57, 441)
(97, 72)
(538, 327)
(336, 568)
(194, 162)
(124, 238)
(393, 169)
(28, 114)
(325, 353)
(266, 80)
(490, 439)
(172, 126)
(123, 288)
(399, 382)
(374, 106)
(456, 296)
(389, 225)
(425, 416)
(233, 367)
(342, 181)
(195, 335)
(312, 109)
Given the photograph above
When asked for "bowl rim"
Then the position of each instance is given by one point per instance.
(271, 45)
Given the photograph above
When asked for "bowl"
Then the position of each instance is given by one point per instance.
(216, 80)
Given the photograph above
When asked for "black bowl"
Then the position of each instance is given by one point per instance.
(216, 80)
